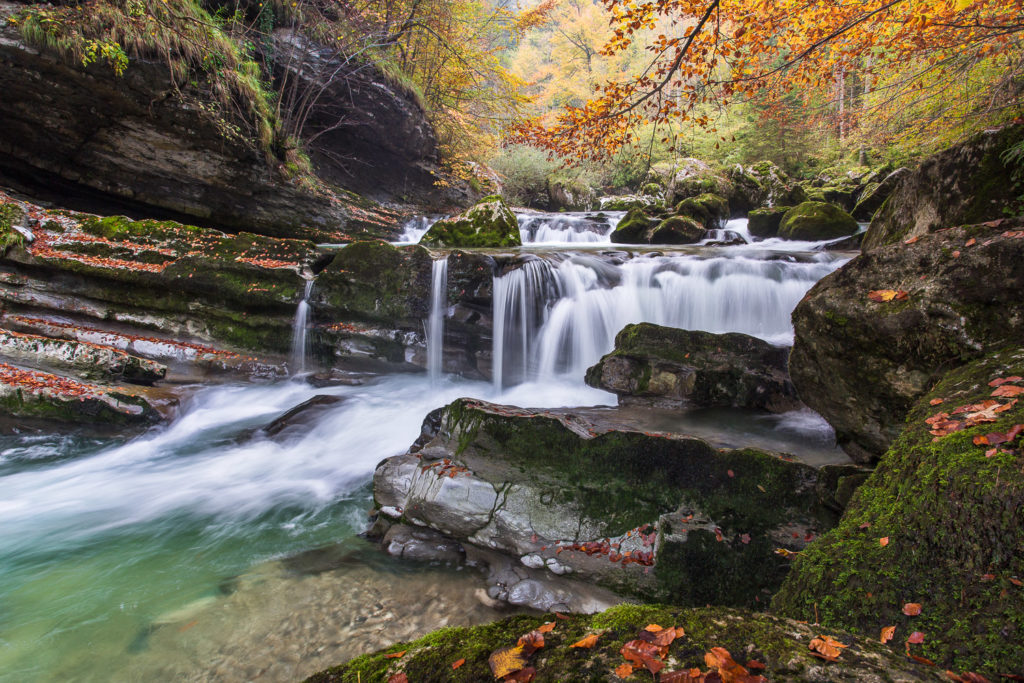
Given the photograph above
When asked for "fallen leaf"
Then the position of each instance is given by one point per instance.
(624, 670)
(921, 659)
(524, 675)
(1016, 582)
(653, 628)
(561, 616)
(971, 242)
(399, 677)
(547, 627)
(586, 642)
(936, 401)
(691, 676)
(395, 655)
(912, 239)
(883, 295)
(531, 642)
(912, 609)
(1008, 391)
(728, 668)
(999, 381)
(887, 633)
(956, 254)
(883, 541)
(754, 664)
(458, 662)
(916, 638)
(826, 647)
(643, 653)
(506, 660)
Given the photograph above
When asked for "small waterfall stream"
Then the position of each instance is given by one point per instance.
(435, 324)
(299, 332)
(557, 316)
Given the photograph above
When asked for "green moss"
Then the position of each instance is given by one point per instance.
(677, 230)
(375, 281)
(708, 209)
(816, 221)
(10, 214)
(952, 517)
(633, 228)
(781, 645)
(487, 224)
(766, 222)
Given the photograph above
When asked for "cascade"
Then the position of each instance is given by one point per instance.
(299, 331)
(435, 324)
(557, 316)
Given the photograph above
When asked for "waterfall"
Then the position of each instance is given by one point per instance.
(557, 318)
(568, 228)
(435, 324)
(299, 332)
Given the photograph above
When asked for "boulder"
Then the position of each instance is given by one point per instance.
(660, 517)
(489, 223)
(633, 228)
(765, 223)
(874, 194)
(815, 221)
(690, 178)
(629, 202)
(298, 421)
(842, 196)
(675, 230)
(708, 209)
(969, 183)
(570, 195)
(657, 365)
(780, 646)
(863, 363)
(937, 525)
(760, 185)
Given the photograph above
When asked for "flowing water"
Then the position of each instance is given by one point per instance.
(172, 556)
(435, 324)
(299, 329)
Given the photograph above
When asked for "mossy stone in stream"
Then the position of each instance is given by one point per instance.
(816, 221)
(708, 209)
(766, 222)
(489, 223)
(952, 515)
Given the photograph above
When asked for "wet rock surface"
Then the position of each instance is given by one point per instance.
(967, 183)
(663, 366)
(651, 514)
(862, 363)
(489, 223)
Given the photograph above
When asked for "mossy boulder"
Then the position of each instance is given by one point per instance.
(972, 182)
(760, 185)
(690, 178)
(874, 194)
(660, 517)
(676, 230)
(765, 222)
(665, 366)
(862, 364)
(570, 194)
(634, 228)
(816, 221)
(938, 523)
(629, 202)
(489, 223)
(781, 645)
(710, 210)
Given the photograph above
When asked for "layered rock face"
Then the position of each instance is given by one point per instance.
(664, 366)
(668, 518)
(151, 147)
(862, 363)
(969, 183)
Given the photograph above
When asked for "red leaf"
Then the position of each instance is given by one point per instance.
(395, 655)
(399, 677)
(916, 638)
(458, 662)
(912, 609)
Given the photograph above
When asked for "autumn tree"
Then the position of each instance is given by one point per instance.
(890, 63)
